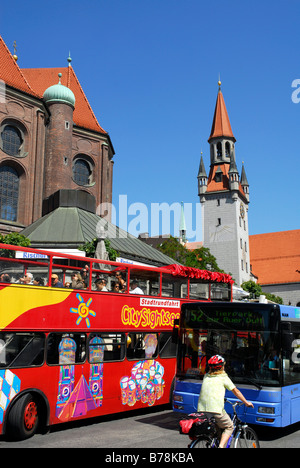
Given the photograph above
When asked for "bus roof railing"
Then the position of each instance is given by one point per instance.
(173, 269)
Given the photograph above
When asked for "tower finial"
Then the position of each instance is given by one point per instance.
(15, 50)
(59, 78)
(69, 59)
(219, 83)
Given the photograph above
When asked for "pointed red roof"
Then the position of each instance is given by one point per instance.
(10, 72)
(42, 78)
(221, 124)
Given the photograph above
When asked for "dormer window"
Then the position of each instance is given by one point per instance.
(219, 175)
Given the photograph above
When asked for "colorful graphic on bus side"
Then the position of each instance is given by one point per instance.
(146, 383)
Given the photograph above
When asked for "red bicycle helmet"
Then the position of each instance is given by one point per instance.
(216, 362)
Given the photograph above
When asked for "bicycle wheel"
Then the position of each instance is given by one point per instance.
(202, 442)
(246, 438)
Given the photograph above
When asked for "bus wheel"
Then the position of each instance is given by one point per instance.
(23, 418)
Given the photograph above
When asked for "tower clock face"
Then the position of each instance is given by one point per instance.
(242, 210)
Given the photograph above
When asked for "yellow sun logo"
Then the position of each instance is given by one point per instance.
(83, 311)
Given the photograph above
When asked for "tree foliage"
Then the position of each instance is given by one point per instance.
(90, 248)
(14, 238)
(199, 258)
(256, 290)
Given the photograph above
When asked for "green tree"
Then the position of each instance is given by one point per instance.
(90, 248)
(256, 290)
(252, 287)
(199, 258)
(13, 238)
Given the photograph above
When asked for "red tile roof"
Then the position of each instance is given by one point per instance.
(221, 124)
(35, 81)
(10, 72)
(41, 78)
(194, 245)
(275, 257)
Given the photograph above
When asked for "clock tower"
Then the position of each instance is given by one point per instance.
(224, 197)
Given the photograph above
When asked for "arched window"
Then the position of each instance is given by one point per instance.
(227, 149)
(81, 172)
(219, 150)
(11, 140)
(9, 189)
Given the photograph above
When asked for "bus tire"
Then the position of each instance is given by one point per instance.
(23, 418)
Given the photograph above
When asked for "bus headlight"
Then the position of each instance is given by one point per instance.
(266, 410)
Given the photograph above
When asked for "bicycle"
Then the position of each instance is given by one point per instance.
(204, 432)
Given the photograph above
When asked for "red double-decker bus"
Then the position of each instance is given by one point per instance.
(83, 337)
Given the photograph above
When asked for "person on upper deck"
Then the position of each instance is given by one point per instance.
(135, 288)
(101, 284)
(77, 281)
(55, 283)
(27, 279)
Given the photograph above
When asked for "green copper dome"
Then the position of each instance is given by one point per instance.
(59, 93)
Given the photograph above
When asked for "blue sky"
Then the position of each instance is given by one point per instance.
(150, 71)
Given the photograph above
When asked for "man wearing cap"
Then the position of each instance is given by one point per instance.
(55, 283)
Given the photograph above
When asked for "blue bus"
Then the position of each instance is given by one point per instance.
(261, 346)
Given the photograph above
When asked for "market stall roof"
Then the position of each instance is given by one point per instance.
(69, 227)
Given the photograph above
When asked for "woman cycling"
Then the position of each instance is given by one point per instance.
(211, 399)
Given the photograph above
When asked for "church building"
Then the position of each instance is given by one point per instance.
(224, 197)
(50, 139)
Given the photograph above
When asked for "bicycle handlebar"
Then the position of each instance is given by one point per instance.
(234, 405)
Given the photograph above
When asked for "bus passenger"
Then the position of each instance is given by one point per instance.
(115, 287)
(121, 281)
(101, 284)
(55, 283)
(135, 288)
(27, 279)
(4, 278)
(38, 281)
(77, 282)
(84, 272)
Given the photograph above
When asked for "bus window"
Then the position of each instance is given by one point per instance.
(291, 358)
(146, 281)
(21, 349)
(174, 287)
(66, 348)
(220, 292)
(141, 345)
(166, 347)
(198, 289)
(104, 347)
(15, 271)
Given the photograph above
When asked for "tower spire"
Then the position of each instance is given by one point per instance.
(221, 124)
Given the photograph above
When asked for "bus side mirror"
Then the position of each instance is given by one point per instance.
(175, 331)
